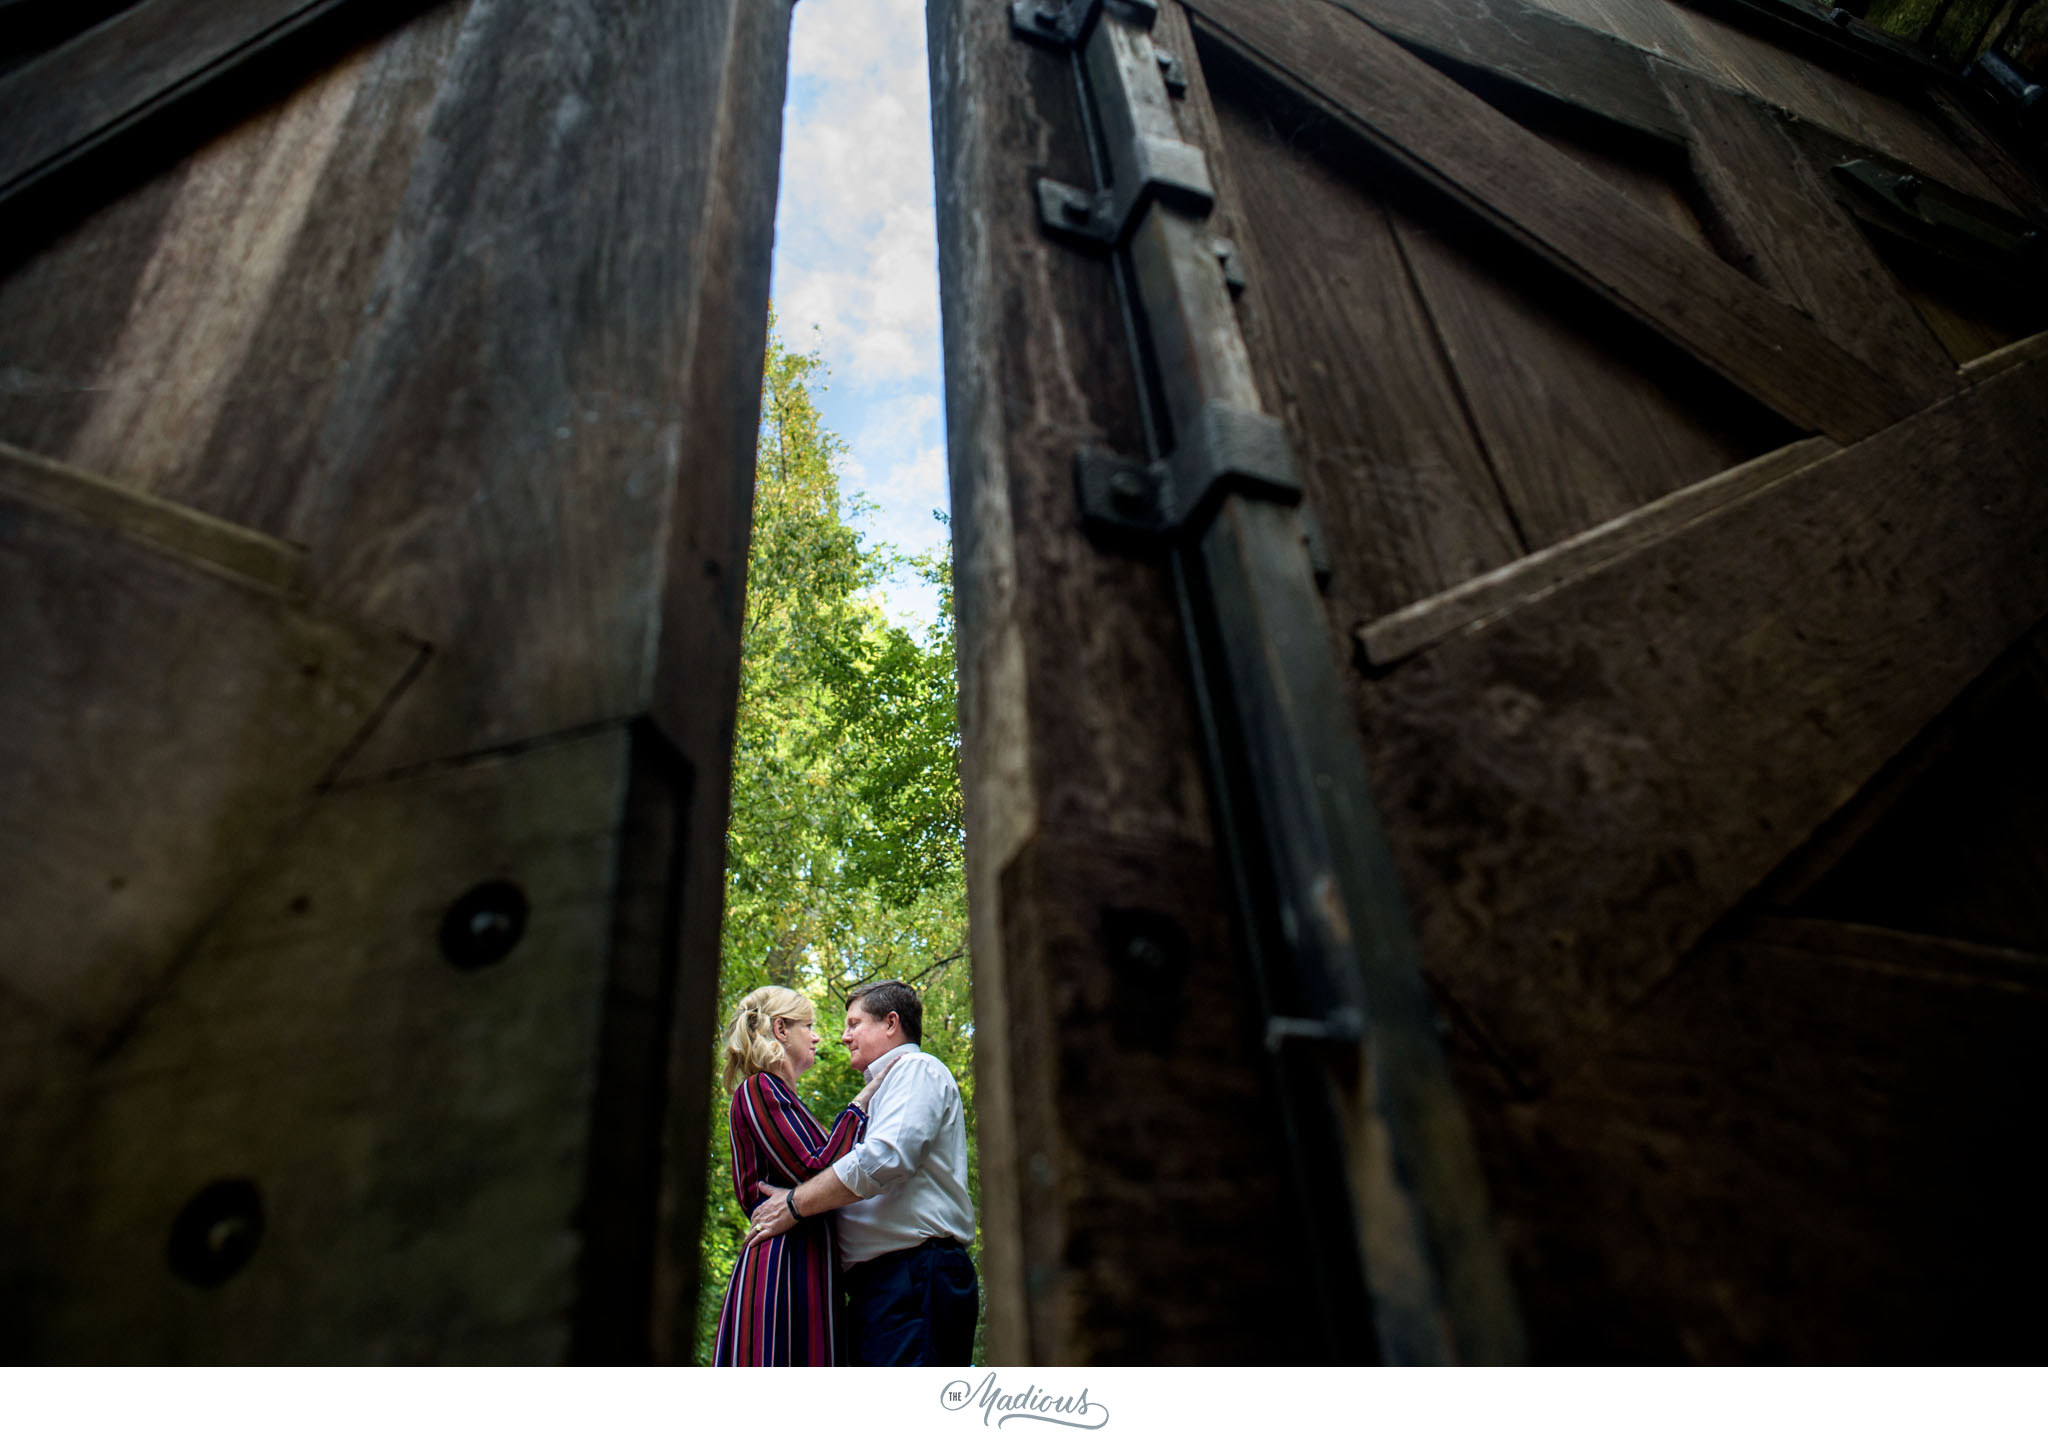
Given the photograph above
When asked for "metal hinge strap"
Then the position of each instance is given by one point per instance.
(1347, 1019)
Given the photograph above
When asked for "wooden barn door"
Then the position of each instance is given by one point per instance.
(377, 409)
(1664, 496)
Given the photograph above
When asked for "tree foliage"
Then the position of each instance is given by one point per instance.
(843, 855)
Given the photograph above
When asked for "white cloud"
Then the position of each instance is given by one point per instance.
(856, 259)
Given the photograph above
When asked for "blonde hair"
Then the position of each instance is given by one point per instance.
(750, 1044)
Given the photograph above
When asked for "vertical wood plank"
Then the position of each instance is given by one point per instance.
(1397, 479)
(1584, 417)
(1084, 786)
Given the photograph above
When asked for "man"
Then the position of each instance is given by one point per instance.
(904, 1215)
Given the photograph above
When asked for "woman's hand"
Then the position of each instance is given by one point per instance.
(867, 1090)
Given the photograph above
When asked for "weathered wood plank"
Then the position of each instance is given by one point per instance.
(162, 721)
(1400, 634)
(1785, 215)
(2004, 360)
(1584, 415)
(1581, 66)
(1743, 62)
(1513, 181)
(59, 108)
(1577, 790)
(208, 314)
(1813, 1145)
(1082, 775)
(421, 1135)
(513, 412)
(192, 535)
(1396, 477)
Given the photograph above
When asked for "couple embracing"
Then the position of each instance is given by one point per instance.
(857, 1246)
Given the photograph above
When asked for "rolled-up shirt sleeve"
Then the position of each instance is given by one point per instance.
(900, 1131)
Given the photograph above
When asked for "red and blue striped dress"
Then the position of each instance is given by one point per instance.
(780, 1304)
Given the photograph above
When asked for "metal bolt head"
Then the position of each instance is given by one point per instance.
(1907, 187)
(216, 1233)
(482, 927)
(1128, 490)
(1077, 206)
(1046, 17)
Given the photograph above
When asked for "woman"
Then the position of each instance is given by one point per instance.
(779, 1306)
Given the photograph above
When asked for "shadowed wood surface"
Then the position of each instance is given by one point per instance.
(465, 332)
(1536, 47)
(62, 105)
(162, 722)
(1578, 790)
(1399, 634)
(1890, 124)
(1783, 212)
(1615, 675)
(1399, 482)
(1084, 787)
(1511, 180)
(1812, 1146)
(178, 530)
(418, 1133)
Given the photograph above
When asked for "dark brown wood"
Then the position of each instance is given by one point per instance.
(1880, 122)
(468, 328)
(1400, 634)
(421, 489)
(1397, 479)
(164, 719)
(138, 517)
(1960, 850)
(1534, 47)
(1783, 213)
(1811, 1146)
(220, 302)
(1584, 415)
(64, 105)
(1511, 180)
(1084, 786)
(420, 1134)
(1568, 825)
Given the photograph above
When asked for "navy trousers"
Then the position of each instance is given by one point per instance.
(916, 1308)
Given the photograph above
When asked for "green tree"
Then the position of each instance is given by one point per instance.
(843, 855)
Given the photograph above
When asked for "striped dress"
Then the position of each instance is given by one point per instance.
(780, 1304)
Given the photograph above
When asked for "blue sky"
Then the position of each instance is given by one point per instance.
(856, 261)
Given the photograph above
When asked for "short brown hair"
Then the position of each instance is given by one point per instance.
(882, 998)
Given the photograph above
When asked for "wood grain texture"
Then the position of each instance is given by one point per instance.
(1783, 213)
(1396, 477)
(191, 535)
(500, 464)
(1078, 735)
(1400, 634)
(1584, 414)
(1682, 35)
(420, 1134)
(1577, 791)
(438, 396)
(62, 106)
(1812, 1146)
(1511, 180)
(162, 722)
(1576, 64)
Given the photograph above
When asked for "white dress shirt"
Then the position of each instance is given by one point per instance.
(911, 1169)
